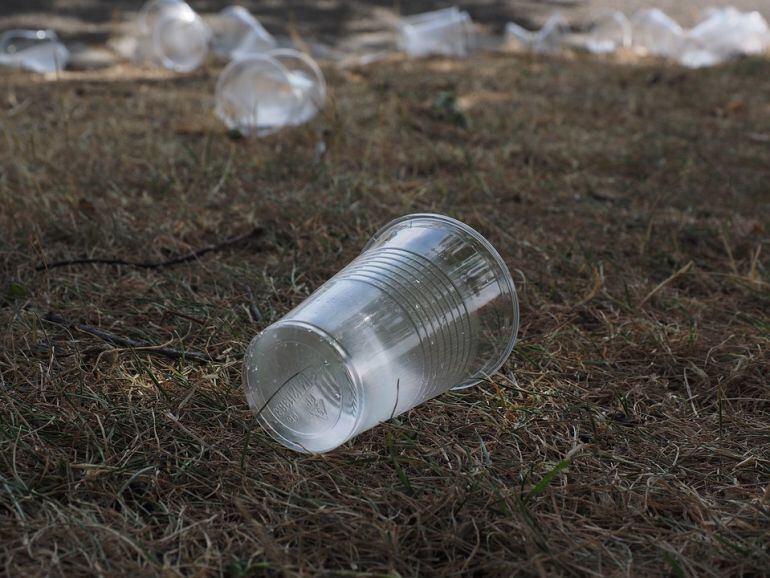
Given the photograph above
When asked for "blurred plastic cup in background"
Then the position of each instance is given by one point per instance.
(722, 34)
(307, 78)
(172, 35)
(609, 32)
(36, 50)
(235, 28)
(654, 32)
(447, 32)
(153, 10)
(428, 306)
(547, 40)
(259, 94)
(255, 96)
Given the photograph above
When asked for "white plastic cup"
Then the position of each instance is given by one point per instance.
(236, 29)
(447, 32)
(428, 306)
(36, 50)
(172, 35)
(259, 94)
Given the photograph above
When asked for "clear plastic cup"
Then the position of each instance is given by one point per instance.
(259, 94)
(610, 31)
(656, 33)
(428, 306)
(36, 50)
(548, 40)
(307, 78)
(723, 33)
(255, 96)
(172, 35)
(447, 32)
(153, 10)
(235, 28)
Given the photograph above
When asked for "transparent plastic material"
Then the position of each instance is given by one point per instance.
(172, 35)
(653, 32)
(306, 77)
(609, 32)
(259, 94)
(236, 29)
(447, 32)
(428, 306)
(722, 34)
(36, 50)
(547, 40)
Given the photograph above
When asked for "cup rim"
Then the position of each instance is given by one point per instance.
(506, 279)
(349, 368)
(148, 7)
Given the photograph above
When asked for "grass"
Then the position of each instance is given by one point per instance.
(628, 434)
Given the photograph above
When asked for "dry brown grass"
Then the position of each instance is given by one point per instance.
(629, 433)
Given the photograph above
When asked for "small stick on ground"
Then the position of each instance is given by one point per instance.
(257, 231)
(662, 284)
(254, 313)
(120, 341)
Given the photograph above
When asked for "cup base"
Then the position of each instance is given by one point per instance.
(302, 386)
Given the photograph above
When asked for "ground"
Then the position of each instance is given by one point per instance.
(626, 435)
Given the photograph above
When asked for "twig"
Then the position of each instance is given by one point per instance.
(254, 313)
(185, 316)
(662, 284)
(121, 341)
(689, 393)
(153, 264)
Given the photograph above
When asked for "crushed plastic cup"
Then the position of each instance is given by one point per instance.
(724, 33)
(259, 94)
(172, 35)
(447, 32)
(36, 50)
(428, 306)
(547, 40)
(609, 32)
(655, 33)
(236, 29)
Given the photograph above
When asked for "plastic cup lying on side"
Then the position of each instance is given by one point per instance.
(547, 40)
(654, 32)
(255, 96)
(428, 306)
(722, 34)
(447, 32)
(609, 32)
(259, 94)
(235, 28)
(307, 78)
(36, 50)
(172, 35)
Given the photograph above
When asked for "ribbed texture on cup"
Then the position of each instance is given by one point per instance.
(433, 305)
